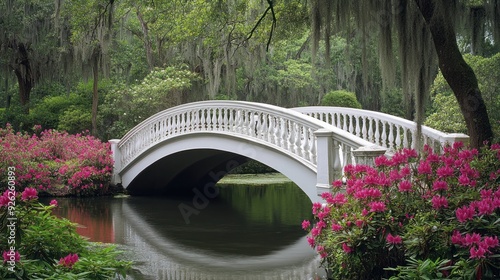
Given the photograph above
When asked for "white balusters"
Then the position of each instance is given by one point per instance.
(398, 138)
(363, 130)
(370, 130)
(358, 126)
(377, 132)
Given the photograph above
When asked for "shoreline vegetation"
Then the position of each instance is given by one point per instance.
(254, 179)
(35, 243)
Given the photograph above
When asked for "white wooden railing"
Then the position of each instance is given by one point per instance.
(385, 130)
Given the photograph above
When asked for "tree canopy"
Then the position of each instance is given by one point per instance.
(288, 53)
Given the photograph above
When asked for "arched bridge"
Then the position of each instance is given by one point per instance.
(196, 144)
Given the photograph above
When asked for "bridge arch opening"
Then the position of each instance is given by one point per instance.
(199, 161)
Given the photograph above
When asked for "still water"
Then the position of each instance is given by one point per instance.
(245, 232)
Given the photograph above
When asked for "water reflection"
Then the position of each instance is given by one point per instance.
(243, 233)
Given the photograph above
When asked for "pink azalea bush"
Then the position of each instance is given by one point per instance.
(55, 162)
(410, 211)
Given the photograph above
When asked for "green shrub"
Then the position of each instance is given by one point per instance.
(252, 167)
(341, 98)
(75, 120)
(47, 113)
(448, 118)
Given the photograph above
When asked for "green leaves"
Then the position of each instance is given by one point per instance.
(46, 239)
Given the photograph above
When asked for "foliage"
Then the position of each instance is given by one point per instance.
(126, 107)
(252, 167)
(49, 111)
(445, 114)
(75, 120)
(435, 215)
(392, 103)
(341, 98)
(48, 247)
(448, 118)
(56, 162)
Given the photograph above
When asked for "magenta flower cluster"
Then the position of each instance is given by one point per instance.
(53, 159)
(69, 260)
(428, 205)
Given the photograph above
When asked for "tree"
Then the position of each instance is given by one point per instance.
(91, 23)
(426, 36)
(29, 45)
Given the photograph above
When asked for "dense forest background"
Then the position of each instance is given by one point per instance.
(106, 65)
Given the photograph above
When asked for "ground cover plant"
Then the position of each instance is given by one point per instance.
(413, 216)
(55, 162)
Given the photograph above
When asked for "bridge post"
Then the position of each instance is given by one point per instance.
(455, 137)
(367, 155)
(326, 154)
(117, 164)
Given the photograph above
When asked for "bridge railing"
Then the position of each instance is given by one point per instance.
(284, 129)
(385, 130)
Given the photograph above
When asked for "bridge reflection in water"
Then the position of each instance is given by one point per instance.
(243, 233)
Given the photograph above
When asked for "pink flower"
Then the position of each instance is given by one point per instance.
(439, 202)
(364, 212)
(315, 207)
(360, 223)
(53, 202)
(444, 171)
(404, 186)
(11, 256)
(477, 253)
(346, 248)
(377, 206)
(337, 183)
(310, 240)
(465, 213)
(69, 260)
(321, 250)
(5, 198)
(464, 180)
(306, 224)
(315, 231)
(382, 161)
(336, 227)
(29, 194)
(321, 224)
(485, 206)
(471, 239)
(394, 239)
(338, 199)
(457, 238)
(439, 186)
(424, 168)
(490, 242)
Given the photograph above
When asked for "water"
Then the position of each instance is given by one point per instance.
(245, 232)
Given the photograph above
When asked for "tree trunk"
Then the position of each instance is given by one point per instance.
(147, 41)
(95, 92)
(456, 71)
(24, 73)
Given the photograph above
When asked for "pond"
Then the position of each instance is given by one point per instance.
(244, 232)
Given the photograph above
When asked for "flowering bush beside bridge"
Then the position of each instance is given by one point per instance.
(413, 216)
(55, 162)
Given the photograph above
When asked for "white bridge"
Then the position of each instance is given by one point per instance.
(196, 144)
